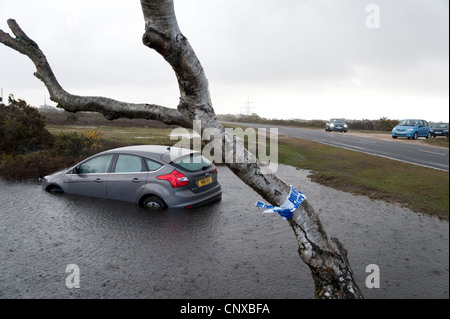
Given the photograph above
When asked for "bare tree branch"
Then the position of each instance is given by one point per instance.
(110, 108)
(325, 256)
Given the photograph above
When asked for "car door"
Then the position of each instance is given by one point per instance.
(422, 128)
(426, 128)
(127, 178)
(89, 178)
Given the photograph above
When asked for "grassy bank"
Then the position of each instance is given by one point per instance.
(419, 188)
(116, 135)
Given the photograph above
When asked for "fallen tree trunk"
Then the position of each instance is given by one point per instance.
(325, 256)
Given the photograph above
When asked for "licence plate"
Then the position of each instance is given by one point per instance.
(205, 181)
(437, 132)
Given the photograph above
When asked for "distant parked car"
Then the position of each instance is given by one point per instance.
(439, 129)
(412, 129)
(336, 125)
(151, 176)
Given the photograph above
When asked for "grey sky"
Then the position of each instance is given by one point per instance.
(310, 59)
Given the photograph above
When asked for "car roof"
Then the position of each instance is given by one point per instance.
(161, 151)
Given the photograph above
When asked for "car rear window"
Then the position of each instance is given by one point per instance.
(151, 165)
(192, 162)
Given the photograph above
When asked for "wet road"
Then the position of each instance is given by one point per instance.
(414, 153)
(226, 250)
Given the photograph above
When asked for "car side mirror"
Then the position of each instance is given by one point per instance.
(76, 170)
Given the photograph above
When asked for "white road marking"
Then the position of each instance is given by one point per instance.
(431, 152)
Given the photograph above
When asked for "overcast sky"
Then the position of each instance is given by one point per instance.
(308, 59)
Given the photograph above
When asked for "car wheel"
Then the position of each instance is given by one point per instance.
(54, 190)
(429, 135)
(154, 203)
(415, 136)
(394, 136)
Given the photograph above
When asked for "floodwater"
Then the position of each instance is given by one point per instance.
(225, 250)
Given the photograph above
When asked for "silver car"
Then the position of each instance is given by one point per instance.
(152, 176)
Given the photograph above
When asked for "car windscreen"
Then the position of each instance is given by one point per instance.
(192, 162)
(408, 123)
(439, 125)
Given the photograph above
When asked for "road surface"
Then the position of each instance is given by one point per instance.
(410, 151)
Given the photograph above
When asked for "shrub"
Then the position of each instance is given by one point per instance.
(28, 150)
(22, 128)
(71, 118)
(385, 124)
(92, 141)
(75, 145)
(68, 149)
(363, 124)
(32, 165)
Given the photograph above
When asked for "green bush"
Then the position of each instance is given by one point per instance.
(28, 150)
(69, 144)
(76, 145)
(33, 165)
(22, 128)
(71, 118)
(385, 124)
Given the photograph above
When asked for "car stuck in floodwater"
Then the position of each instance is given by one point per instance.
(152, 176)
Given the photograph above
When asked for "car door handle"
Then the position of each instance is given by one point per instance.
(136, 180)
(98, 180)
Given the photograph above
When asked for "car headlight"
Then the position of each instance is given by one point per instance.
(410, 130)
(345, 125)
(332, 125)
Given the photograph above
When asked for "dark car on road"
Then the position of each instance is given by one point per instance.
(150, 175)
(439, 129)
(336, 125)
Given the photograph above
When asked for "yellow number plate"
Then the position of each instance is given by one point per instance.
(204, 181)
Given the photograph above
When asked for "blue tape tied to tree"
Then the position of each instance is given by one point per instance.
(286, 210)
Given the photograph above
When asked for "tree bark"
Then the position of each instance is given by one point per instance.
(325, 256)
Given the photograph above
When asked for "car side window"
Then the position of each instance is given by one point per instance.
(96, 165)
(129, 164)
(151, 165)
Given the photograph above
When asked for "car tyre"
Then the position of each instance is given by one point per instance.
(153, 203)
(54, 190)
(394, 136)
(415, 136)
(429, 135)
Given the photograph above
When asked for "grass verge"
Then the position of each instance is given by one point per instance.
(419, 188)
